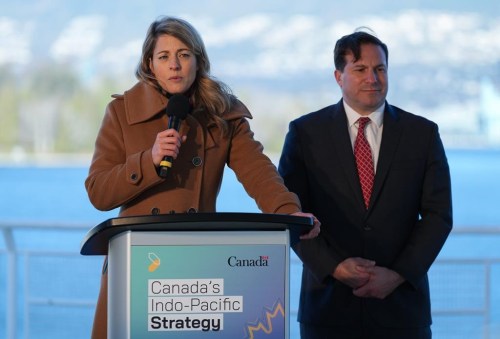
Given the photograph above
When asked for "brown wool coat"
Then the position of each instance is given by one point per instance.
(122, 173)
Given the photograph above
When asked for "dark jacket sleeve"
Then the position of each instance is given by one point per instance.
(292, 168)
(435, 215)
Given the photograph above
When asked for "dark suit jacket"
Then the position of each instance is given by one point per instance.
(404, 228)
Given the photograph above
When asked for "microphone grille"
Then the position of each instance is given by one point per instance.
(178, 106)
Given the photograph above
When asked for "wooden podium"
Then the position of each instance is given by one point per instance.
(203, 275)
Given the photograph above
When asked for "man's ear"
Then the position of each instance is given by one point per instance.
(338, 77)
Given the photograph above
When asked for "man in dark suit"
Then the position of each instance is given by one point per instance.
(385, 214)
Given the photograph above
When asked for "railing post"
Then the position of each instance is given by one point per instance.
(487, 290)
(11, 292)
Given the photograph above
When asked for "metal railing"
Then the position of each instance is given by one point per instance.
(17, 265)
(20, 257)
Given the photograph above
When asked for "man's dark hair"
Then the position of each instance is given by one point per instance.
(352, 44)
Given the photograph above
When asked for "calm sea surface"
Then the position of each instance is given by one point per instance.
(58, 193)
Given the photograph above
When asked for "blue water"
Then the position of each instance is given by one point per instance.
(56, 195)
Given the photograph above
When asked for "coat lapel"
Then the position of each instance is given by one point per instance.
(343, 148)
(390, 141)
(143, 102)
(339, 137)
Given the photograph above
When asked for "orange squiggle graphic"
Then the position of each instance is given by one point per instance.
(267, 325)
(155, 262)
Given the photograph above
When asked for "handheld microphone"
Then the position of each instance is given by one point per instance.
(178, 108)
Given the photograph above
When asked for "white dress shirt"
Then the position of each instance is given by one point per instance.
(373, 131)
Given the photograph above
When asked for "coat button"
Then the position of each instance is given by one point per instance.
(155, 211)
(192, 210)
(367, 228)
(197, 161)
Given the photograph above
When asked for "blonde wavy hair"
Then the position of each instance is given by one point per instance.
(207, 94)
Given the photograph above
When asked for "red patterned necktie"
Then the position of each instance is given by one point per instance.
(364, 160)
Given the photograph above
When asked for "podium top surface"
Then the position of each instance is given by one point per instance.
(97, 239)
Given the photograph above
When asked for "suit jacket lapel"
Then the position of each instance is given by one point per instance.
(390, 140)
(343, 147)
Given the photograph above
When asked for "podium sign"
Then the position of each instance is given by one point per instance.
(206, 285)
(231, 281)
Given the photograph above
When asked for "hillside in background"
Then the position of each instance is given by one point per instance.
(60, 61)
